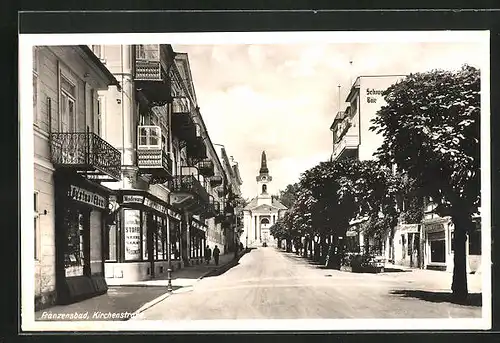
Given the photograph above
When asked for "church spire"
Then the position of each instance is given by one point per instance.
(263, 164)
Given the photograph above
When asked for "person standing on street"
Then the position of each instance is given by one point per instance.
(216, 255)
(208, 254)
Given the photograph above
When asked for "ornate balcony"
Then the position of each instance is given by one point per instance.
(188, 193)
(87, 153)
(151, 61)
(347, 146)
(152, 159)
(196, 149)
(216, 180)
(211, 208)
(183, 125)
(156, 163)
(206, 168)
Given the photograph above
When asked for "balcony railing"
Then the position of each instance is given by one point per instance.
(216, 180)
(87, 153)
(190, 184)
(155, 162)
(183, 125)
(206, 168)
(196, 149)
(348, 142)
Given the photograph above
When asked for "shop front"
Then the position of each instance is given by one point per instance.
(136, 242)
(81, 212)
(438, 253)
(198, 241)
(407, 246)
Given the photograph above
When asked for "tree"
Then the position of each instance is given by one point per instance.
(288, 196)
(431, 130)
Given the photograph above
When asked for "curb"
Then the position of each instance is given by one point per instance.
(150, 304)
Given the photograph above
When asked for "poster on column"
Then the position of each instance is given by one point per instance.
(132, 234)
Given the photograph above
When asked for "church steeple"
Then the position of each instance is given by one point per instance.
(263, 178)
(263, 164)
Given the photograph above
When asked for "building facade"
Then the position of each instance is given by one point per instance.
(165, 206)
(71, 162)
(427, 244)
(262, 212)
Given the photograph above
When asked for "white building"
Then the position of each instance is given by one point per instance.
(262, 212)
(70, 202)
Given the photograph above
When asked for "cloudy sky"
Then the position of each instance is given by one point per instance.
(283, 98)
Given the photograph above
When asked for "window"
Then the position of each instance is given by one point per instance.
(149, 137)
(145, 228)
(98, 51)
(36, 216)
(110, 237)
(76, 258)
(68, 100)
(140, 52)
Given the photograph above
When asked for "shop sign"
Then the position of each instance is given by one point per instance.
(434, 227)
(136, 199)
(174, 215)
(132, 228)
(87, 197)
(410, 228)
(154, 205)
(351, 234)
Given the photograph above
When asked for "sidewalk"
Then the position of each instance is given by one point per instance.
(126, 301)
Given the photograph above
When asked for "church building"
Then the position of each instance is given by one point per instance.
(262, 211)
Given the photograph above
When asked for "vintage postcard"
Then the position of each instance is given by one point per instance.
(255, 181)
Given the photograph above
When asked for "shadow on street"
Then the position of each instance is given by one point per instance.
(474, 299)
(222, 269)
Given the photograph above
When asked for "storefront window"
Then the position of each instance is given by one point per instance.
(132, 228)
(438, 251)
(110, 236)
(145, 228)
(74, 256)
(160, 239)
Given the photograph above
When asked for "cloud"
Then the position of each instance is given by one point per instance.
(283, 98)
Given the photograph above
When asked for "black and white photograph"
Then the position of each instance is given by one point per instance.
(255, 181)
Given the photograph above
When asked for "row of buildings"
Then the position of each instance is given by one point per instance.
(427, 244)
(127, 180)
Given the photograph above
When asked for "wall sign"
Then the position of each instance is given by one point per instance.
(174, 215)
(136, 199)
(434, 227)
(87, 197)
(150, 203)
(370, 92)
(410, 228)
(132, 228)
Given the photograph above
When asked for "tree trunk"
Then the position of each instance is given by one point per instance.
(459, 284)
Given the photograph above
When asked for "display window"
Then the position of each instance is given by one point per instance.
(75, 255)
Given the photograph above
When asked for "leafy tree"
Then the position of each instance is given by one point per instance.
(431, 130)
(288, 196)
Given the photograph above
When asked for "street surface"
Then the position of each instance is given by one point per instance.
(272, 284)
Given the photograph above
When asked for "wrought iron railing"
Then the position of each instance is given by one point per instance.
(85, 151)
(216, 180)
(147, 70)
(206, 167)
(190, 184)
(157, 158)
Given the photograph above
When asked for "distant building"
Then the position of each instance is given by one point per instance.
(262, 212)
(351, 127)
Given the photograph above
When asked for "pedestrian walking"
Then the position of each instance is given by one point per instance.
(208, 254)
(216, 255)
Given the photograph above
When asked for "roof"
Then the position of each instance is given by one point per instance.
(97, 62)
(252, 205)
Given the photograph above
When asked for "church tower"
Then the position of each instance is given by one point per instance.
(263, 180)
